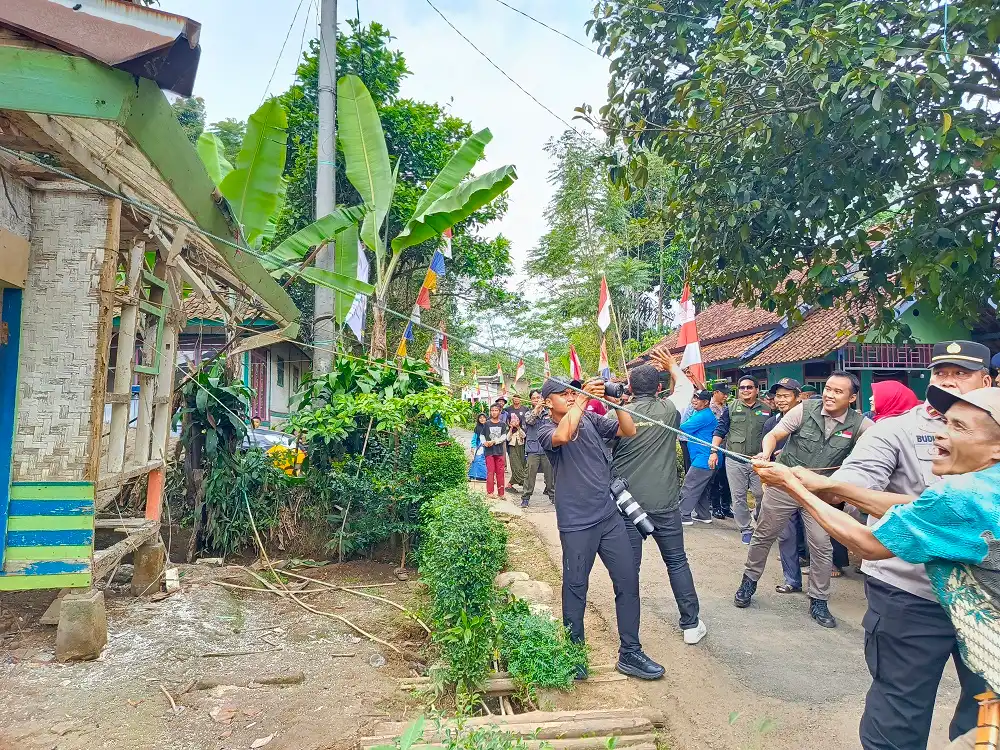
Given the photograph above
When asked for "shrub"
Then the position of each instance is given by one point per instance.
(538, 651)
(439, 464)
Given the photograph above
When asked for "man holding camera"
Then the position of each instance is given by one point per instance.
(648, 462)
(536, 457)
(588, 519)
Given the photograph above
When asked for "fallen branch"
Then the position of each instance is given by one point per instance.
(173, 706)
(227, 585)
(281, 678)
(218, 654)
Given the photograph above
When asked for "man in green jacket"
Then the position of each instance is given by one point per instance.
(820, 434)
(741, 426)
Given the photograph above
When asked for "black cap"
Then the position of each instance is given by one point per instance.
(558, 384)
(703, 395)
(720, 388)
(790, 384)
(967, 354)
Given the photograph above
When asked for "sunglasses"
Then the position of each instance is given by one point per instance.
(748, 388)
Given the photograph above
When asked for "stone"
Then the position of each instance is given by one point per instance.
(533, 592)
(149, 561)
(123, 574)
(51, 615)
(83, 627)
(503, 580)
(172, 580)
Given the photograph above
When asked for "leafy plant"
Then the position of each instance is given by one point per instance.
(462, 737)
(216, 409)
(438, 464)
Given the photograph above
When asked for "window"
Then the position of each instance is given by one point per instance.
(281, 372)
(295, 378)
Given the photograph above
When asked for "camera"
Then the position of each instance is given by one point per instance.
(630, 508)
(614, 390)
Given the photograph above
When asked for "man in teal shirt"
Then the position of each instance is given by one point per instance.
(695, 492)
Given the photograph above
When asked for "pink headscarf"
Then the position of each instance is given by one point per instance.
(892, 399)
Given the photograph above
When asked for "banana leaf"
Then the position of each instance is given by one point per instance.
(336, 281)
(371, 227)
(297, 246)
(363, 143)
(454, 206)
(458, 166)
(345, 262)
(212, 155)
(254, 187)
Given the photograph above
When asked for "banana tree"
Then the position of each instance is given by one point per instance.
(447, 201)
(255, 191)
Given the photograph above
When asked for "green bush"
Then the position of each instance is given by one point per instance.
(439, 464)
(538, 651)
(464, 547)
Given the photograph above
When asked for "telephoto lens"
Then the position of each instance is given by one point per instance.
(614, 390)
(630, 508)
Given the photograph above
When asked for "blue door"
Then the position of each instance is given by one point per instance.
(10, 341)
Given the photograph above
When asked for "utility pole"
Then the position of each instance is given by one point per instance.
(326, 196)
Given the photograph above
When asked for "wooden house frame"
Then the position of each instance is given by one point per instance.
(106, 213)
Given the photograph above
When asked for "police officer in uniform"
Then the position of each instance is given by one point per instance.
(820, 434)
(741, 426)
(908, 636)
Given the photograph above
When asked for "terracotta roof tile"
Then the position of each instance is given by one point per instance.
(822, 331)
(201, 308)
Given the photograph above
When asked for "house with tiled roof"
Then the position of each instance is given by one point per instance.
(737, 340)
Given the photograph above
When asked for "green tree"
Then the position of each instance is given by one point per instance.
(230, 133)
(793, 126)
(190, 113)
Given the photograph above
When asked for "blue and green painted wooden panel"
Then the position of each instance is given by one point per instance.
(50, 536)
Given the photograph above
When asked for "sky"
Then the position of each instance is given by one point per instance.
(241, 41)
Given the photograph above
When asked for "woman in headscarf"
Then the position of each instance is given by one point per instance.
(891, 398)
(477, 470)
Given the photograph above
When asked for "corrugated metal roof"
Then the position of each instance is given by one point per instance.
(143, 41)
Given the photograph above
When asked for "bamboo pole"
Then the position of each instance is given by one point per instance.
(124, 361)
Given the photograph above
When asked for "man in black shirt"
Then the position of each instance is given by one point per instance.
(588, 519)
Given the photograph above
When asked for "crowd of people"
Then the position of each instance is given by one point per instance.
(911, 486)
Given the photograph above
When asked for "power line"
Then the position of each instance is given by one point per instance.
(282, 50)
(550, 28)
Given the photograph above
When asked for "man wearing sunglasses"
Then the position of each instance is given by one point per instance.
(741, 426)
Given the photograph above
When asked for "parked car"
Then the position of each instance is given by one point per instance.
(279, 446)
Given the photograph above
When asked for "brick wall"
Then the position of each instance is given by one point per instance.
(59, 335)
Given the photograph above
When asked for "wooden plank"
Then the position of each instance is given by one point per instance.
(51, 508)
(69, 538)
(123, 364)
(120, 523)
(49, 523)
(117, 480)
(106, 559)
(117, 398)
(52, 491)
(44, 567)
(30, 583)
(41, 81)
(105, 328)
(52, 552)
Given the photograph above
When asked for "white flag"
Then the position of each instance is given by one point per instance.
(356, 315)
(443, 364)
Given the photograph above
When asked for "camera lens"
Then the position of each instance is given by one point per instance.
(614, 390)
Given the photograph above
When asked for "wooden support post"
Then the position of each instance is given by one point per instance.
(124, 361)
(105, 327)
(162, 410)
(147, 383)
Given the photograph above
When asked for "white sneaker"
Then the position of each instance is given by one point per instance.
(699, 519)
(695, 634)
(687, 523)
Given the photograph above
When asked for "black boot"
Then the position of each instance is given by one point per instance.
(637, 664)
(820, 612)
(745, 592)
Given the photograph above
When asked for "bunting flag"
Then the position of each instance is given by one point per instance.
(603, 366)
(443, 365)
(430, 355)
(435, 271)
(575, 370)
(414, 318)
(407, 336)
(604, 307)
(503, 386)
(447, 243)
(475, 381)
(519, 373)
(688, 338)
(359, 307)
(548, 368)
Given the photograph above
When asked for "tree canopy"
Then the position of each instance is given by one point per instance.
(796, 127)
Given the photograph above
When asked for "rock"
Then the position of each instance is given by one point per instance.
(261, 741)
(224, 714)
(123, 574)
(172, 579)
(503, 580)
(376, 660)
(83, 627)
(149, 561)
(209, 561)
(533, 592)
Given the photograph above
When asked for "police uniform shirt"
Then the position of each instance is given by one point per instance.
(895, 456)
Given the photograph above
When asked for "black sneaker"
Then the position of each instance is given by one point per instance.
(581, 672)
(718, 514)
(745, 592)
(820, 612)
(728, 514)
(637, 664)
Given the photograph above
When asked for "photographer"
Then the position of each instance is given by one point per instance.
(588, 519)
(648, 462)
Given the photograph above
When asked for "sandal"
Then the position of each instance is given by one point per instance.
(784, 588)
(836, 573)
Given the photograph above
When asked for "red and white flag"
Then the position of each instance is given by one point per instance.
(519, 373)
(688, 338)
(444, 366)
(447, 244)
(503, 385)
(548, 368)
(604, 307)
(575, 370)
(475, 382)
(603, 366)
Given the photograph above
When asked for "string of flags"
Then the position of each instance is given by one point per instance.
(434, 272)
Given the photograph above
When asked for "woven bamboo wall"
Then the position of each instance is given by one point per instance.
(15, 205)
(59, 335)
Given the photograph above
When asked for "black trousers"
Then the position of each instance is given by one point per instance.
(685, 454)
(580, 548)
(669, 537)
(908, 641)
(722, 496)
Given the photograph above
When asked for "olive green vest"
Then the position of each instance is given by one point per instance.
(810, 447)
(746, 427)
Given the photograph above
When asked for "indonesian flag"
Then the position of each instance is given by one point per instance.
(548, 368)
(503, 386)
(475, 380)
(604, 367)
(604, 307)
(447, 243)
(688, 338)
(443, 365)
(519, 373)
(575, 370)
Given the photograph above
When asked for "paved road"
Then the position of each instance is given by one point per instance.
(770, 661)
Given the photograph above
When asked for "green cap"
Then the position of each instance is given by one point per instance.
(810, 389)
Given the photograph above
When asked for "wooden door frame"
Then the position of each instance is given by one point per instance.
(10, 315)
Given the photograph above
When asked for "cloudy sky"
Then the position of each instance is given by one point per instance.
(241, 41)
